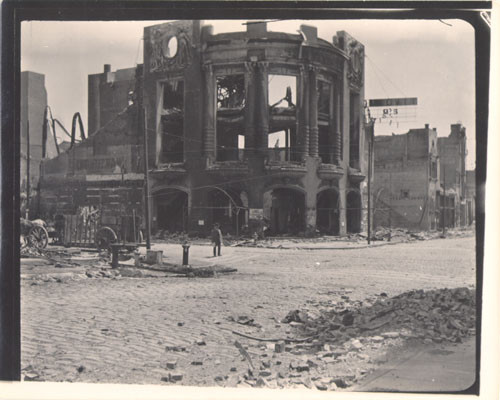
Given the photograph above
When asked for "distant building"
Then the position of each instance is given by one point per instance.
(470, 195)
(33, 106)
(452, 155)
(406, 180)
(109, 94)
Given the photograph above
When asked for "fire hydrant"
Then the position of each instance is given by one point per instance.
(185, 253)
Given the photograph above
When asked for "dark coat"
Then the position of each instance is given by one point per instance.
(216, 236)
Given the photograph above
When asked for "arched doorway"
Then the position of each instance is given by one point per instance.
(353, 212)
(327, 212)
(227, 209)
(171, 209)
(287, 211)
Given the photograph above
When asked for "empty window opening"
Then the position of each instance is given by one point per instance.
(172, 122)
(230, 117)
(325, 94)
(241, 147)
(278, 144)
(354, 127)
(173, 96)
(230, 143)
(282, 133)
(231, 92)
(171, 210)
(433, 169)
(353, 212)
(282, 91)
(328, 142)
(172, 142)
(227, 210)
(446, 211)
(325, 141)
(287, 211)
(327, 212)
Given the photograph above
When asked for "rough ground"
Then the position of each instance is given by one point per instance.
(160, 328)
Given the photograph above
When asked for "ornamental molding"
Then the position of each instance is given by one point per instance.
(169, 47)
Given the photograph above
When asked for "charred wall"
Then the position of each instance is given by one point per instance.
(406, 181)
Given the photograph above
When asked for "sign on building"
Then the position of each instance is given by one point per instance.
(393, 111)
(256, 213)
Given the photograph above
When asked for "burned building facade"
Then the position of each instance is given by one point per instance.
(406, 180)
(245, 129)
(34, 143)
(251, 126)
(452, 154)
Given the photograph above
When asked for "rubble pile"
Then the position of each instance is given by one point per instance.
(170, 237)
(442, 315)
(30, 251)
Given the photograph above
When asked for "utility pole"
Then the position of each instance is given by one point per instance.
(143, 129)
(390, 206)
(370, 157)
(443, 205)
(28, 156)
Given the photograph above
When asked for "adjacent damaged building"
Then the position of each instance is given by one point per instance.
(35, 144)
(452, 155)
(420, 180)
(248, 129)
(406, 180)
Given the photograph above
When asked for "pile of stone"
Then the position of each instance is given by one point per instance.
(30, 251)
(442, 315)
(399, 234)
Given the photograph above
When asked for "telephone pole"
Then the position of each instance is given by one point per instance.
(371, 127)
(28, 157)
(141, 112)
(443, 205)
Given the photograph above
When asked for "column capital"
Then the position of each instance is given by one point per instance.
(263, 65)
(250, 66)
(312, 68)
(208, 67)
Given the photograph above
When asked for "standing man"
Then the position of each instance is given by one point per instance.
(216, 239)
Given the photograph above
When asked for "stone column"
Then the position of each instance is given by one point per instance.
(303, 134)
(262, 108)
(337, 152)
(343, 206)
(250, 136)
(209, 115)
(313, 113)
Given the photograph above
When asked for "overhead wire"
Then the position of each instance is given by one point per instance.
(386, 77)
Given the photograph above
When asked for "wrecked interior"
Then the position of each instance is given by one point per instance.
(328, 214)
(172, 122)
(230, 130)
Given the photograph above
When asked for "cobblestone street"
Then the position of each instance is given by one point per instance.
(126, 330)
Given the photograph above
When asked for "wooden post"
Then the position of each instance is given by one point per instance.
(370, 151)
(28, 156)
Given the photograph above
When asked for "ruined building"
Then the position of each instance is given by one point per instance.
(470, 195)
(33, 147)
(245, 129)
(452, 155)
(419, 179)
(406, 180)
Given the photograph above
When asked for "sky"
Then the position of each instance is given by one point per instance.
(432, 60)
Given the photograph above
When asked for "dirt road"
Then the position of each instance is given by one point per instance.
(126, 330)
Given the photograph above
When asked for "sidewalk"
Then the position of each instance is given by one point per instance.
(434, 368)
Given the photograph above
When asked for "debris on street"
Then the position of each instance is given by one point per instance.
(440, 315)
